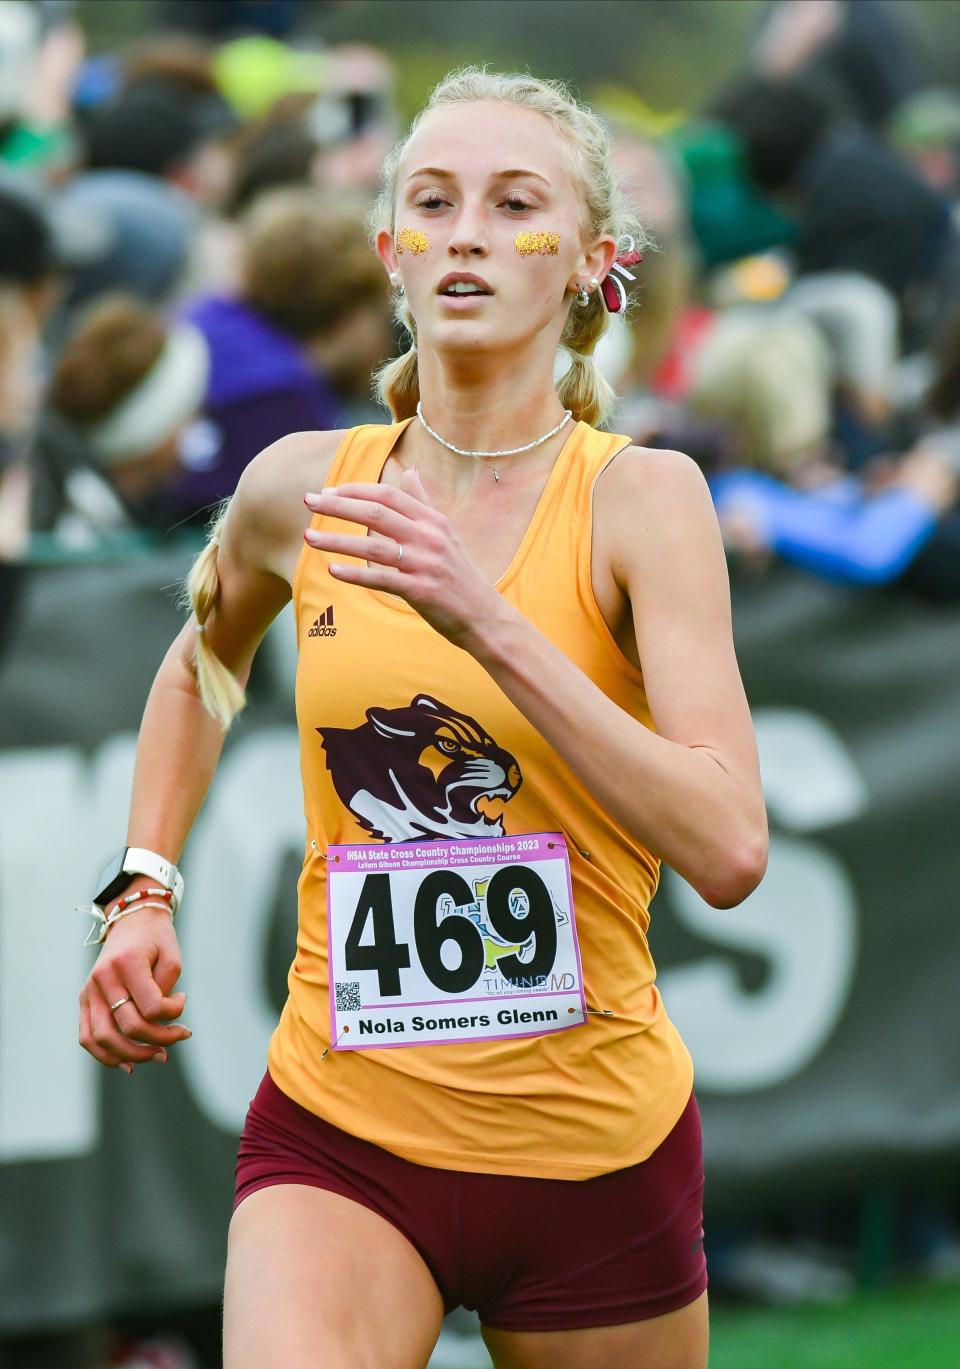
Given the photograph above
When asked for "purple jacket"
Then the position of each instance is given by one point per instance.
(261, 387)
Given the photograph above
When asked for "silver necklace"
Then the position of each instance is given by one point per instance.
(510, 451)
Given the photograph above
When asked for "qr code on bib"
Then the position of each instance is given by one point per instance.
(348, 995)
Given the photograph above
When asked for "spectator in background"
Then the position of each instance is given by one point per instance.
(44, 241)
(864, 49)
(651, 346)
(765, 373)
(152, 229)
(856, 205)
(935, 572)
(295, 347)
(255, 72)
(124, 387)
(19, 394)
(334, 137)
(926, 130)
(354, 118)
(161, 124)
(276, 150)
(182, 69)
(41, 242)
(768, 374)
(156, 162)
(41, 49)
(853, 317)
(20, 31)
(858, 319)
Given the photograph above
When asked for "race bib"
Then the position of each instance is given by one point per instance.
(444, 941)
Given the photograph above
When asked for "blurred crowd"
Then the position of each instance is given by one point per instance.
(185, 276)
(184, 267)
(799, 331)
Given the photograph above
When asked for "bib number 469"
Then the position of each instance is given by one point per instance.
(518, 908)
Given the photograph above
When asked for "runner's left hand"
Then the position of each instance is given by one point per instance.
(435, 576)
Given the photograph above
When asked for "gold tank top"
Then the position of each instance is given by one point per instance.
(570, 1104)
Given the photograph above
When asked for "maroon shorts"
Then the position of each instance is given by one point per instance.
(527, 1254)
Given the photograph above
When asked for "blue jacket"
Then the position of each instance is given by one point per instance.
(837, 531)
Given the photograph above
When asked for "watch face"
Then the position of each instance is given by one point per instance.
(112, 879)
(113, 867)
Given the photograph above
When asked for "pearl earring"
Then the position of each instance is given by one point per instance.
(583, 296)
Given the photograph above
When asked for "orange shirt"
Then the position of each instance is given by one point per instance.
(570, 1104)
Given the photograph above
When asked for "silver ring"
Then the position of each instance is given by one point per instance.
(119, 1004)
(399, 552)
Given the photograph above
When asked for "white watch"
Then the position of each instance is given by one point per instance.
(137, 860)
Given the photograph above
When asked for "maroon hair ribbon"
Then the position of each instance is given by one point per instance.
(611, 287)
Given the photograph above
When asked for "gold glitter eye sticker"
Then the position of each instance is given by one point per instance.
(546, 244)
(413, 239)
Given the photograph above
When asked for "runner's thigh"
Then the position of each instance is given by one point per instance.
(317, 1281)
(675, 1340)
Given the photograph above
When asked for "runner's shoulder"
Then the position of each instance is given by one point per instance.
(652, 472)
(648, 498)
(650, 479)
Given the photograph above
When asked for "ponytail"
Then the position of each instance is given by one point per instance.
(582, 388)
(220, 692)
(396, 384)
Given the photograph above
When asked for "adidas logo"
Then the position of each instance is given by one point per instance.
(324, 625)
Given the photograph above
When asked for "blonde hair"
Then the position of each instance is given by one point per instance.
(603, 209)
(220, 691)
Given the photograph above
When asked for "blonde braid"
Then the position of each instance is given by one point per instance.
(396, 383)
(220, 692)
(582, 388)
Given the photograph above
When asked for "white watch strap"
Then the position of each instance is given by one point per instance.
(140, 861)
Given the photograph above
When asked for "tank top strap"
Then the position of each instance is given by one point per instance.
(363, 453)
(359, 458)
(597, 452)
(561, 553)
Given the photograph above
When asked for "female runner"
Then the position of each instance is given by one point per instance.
(516, 683)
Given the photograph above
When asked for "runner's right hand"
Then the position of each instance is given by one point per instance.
(139, 960)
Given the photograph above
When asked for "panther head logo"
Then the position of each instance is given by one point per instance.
(421, 771)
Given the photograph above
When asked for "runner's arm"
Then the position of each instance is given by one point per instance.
(127, 1004)
(690, 791)
(180, 742)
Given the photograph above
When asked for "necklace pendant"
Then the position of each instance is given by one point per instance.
(496, 475)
